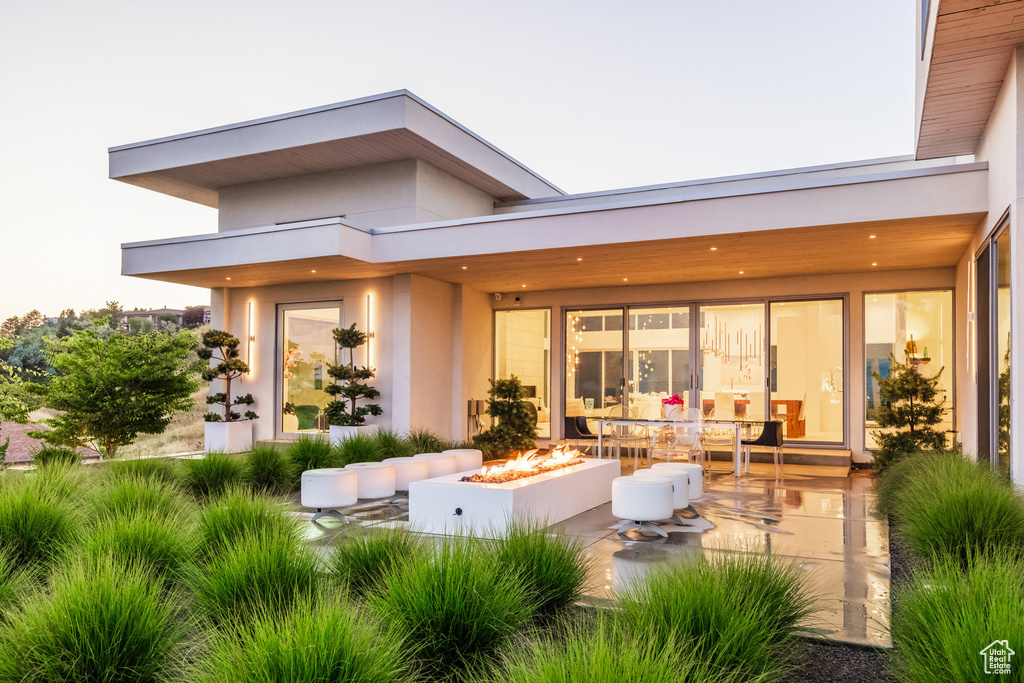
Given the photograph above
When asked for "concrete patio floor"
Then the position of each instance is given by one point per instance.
(821, 518)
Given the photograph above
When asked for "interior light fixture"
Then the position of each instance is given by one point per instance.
(227, 278)
(874, 264)
(465, 267)
(714, 248)
(871, 237)
(580, 258)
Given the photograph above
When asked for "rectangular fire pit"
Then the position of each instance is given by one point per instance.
(446, 505)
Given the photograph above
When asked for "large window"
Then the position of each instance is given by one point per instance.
(895, 321)
(659, 357)
(306, 347)
(732, 361)
(522, 347)
(593, 363)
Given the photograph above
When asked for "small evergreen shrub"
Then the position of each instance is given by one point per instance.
(166, 470)
(362, 562)
(740, 614)
(360, 448)
(946, 615)
(47, 455)
(267, 468)
(317, 640)
(212, 475)
(258, 573)
(553, 567)
(456, 604)
(36, 525)
(311, 453)
(516, 428)
(237, 513)
(162, 546)
(100, 623)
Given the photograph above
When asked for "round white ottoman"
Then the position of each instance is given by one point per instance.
(439, 464)
(696, 473)
(639, 501)
(376, 479)
(467, 458)
(408, 470)
(329, 489)
(680, 484)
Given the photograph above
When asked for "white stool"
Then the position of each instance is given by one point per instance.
(467, 458)
(639, 501)
(439, 464)
(680, 488)
(695, 471)
(408, 470)
(329, 489)
(376, 479)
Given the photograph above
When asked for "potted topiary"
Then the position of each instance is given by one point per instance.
(517, 426)
(909, 409)
(226, 432)
(344, 416)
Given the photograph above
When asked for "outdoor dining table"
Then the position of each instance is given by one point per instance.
(738, 427)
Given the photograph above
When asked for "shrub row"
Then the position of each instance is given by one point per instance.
(964, 526)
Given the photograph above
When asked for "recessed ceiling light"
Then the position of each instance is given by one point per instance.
(312, 271)
(465, 267)
(741, 272)
(524, 285)
(579, 258)
(625, 279)
(227, 278)
(874, 264)
(714, 248)
(871, 237)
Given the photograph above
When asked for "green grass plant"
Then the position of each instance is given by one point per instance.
(257, 573)
(134, 494)
(739, 613)
(64, 480)
(949, 505)
(363, 561)
(37, 524)
(951, 610)
(456, 604)
(392, 444)
(212, 475)
(553, 567)
(46, 455)
(425, 441)
(14, 580)
(360, 448)
(319, 639)
(311, 453)
(97, 622)
(161, 545)
(239, 512)
(267, 468)
(166, 470)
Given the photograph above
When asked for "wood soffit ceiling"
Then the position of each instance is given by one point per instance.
(897, 245)
(974, 42)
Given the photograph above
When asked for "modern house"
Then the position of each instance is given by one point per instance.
(777, 293)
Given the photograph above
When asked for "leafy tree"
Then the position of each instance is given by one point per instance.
(113, 389)
(229, 367)
(516, 429)
(193, 316)
(17, 327)
(12, 408)
(353, 387)
(139, 326)
(908, 404)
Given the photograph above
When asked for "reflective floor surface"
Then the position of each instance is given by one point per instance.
(819, 518)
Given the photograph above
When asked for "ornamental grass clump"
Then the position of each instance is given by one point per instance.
(603, 653)
(212, 475)
(456, 604)
(268, 468)
(320, 639)
(165, 470)
(359, 448)
(237, 513)
(553, 567)
(950, 611)
(36, 524)
(311, 453)
(257, 573)
(101, 622)
(363, 561)
(47, 455)
(740, 614)
(131, 495)
(424, 441)
(392, 444)
(955, 507)
(14, 580)
(161, 545)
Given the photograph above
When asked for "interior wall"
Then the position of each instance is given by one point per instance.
(852, 284)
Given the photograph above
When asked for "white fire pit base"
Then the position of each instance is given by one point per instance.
(445, 505)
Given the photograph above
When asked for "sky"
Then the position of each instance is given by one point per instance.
(592, 95)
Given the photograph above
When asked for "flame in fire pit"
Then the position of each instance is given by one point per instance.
(526, 465)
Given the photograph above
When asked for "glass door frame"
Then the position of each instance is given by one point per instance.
(281, 307)
(986, 322)
(696, 366)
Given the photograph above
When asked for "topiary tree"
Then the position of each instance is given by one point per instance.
(516, 429)
(352, 386)
(229, 367)
(908, 404)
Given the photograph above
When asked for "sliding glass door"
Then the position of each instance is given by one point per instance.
(659, 358)
(306, 346)
(732, 361)
(594, 377)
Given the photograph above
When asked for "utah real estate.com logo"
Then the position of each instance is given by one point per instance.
(997, 657)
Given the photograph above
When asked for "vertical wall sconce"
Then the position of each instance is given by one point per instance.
(369, 330)
(250, 338)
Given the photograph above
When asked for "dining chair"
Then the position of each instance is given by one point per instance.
(719, 435)
(574, 436)
(770, 437)
(633, 437)
(683, 439)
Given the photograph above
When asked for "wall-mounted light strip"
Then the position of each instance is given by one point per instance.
(369, 330)
(250, 338)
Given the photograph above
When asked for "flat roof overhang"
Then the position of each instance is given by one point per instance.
(373, 130)
(920, 220)
(972, 44)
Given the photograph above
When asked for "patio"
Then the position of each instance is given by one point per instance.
(823, 518)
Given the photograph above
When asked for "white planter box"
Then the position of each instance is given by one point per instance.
(229, 437)
(341, 432)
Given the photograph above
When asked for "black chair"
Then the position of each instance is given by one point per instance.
(770, 436)
(573, 433)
